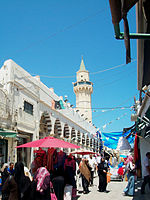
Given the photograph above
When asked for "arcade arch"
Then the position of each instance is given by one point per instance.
(45, 125)
(66, 133)
(57, 128)
(73, 135)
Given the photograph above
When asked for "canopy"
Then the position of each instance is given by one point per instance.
(83, 152)
(123, 144)
(7, 133)
(49, 142)
(111, 139)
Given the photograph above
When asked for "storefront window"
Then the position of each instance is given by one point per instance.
(22, 152)
(3, 151)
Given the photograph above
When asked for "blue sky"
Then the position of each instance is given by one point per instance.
(48, 38)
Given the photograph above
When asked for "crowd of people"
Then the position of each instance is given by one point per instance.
(56, 177)
(55, 181)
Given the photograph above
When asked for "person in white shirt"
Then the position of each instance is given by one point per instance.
(146, 172)
(92, 164)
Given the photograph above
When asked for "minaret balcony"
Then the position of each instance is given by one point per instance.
(82, 83)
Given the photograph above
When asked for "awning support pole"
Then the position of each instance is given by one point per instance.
(120, 35)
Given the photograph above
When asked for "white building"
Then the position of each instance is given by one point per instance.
(33, 111)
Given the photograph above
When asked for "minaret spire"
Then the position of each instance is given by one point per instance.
(82, 66)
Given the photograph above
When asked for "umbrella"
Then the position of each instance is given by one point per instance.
(83, 152)
(49, 142)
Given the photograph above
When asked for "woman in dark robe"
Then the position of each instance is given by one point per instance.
(5, 175)
(102, 173)
(69, 171)
(18, 187)
(58, 183)
(23, 182)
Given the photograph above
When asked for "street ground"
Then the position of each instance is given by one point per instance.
(115, 190)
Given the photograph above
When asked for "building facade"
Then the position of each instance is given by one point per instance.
(34, 111)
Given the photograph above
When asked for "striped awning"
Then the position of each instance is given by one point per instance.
(7, 133)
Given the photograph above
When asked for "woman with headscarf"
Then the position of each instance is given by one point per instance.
(41, 185)
(5, 175)
(18, 186)
(58, 183)
(85, 175)
(102, 173)
(23, 182)
(4, 172)
(130, 168)
(70, 171)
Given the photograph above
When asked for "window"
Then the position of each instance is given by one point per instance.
(28, 107)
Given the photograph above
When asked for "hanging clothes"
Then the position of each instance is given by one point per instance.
(52, 159)
(61, 156)
(42, 155)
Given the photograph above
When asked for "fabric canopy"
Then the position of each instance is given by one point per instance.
(49, 142)
(83, 152)
(111, 139)
(123, 144)
(7, 133)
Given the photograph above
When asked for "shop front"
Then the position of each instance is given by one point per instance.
(24, 154)
(3, 151)
(5, 135)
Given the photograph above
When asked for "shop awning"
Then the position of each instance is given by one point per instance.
(7, 133)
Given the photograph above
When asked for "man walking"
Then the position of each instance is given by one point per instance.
(92, 164)
(146, 172)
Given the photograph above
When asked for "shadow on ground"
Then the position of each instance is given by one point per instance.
(138, 195)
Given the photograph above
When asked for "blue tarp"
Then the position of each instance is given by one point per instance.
(111, 139)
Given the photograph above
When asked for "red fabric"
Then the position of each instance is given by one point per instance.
(120, 171)
(41, 157)
(49, 142)
(136, 148)
(70, 163)
(51, 158)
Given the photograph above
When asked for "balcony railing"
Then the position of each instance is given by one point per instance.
(83, 83)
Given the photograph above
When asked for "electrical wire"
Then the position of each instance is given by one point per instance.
(92, 73)
(63, 30)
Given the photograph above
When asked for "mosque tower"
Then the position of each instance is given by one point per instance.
(83, 89)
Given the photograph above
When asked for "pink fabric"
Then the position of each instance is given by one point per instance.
(129, 159)
(41, 174)
(52, 193)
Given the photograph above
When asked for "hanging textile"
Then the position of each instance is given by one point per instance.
(41, 157)
(51, 159)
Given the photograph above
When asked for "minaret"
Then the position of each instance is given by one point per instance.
(83, 89)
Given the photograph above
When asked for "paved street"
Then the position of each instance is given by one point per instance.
(115, 192)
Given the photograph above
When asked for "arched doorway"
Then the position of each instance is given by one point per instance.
(94, 145)
(66, 131)
(91, 143)
(78, 137)
(83, 139)
(45, 125)
(73, 135)
(97, 149)
(87, 141)
(57, 128)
